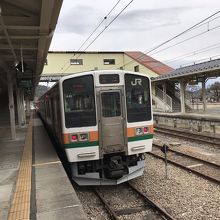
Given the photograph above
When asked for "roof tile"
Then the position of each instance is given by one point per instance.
(149, 62)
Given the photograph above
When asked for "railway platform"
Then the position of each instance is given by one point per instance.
(33, 182)
(199, 122)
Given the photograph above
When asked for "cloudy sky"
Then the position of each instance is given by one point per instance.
(142, 26)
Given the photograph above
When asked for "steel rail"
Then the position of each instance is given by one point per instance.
(205, 176)
(156, 205)
(111, 212)
(189, 156)
(180, 133)
(188, 132)
(153, 204)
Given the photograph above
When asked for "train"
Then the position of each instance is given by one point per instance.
(103, 122)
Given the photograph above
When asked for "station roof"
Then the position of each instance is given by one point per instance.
(149, 62)
(26, 30)
(194, 72)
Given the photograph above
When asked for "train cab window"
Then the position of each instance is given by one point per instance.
(111, 106)
(79, 102)
(137, 98)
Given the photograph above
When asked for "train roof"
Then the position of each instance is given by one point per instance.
(101, 71)
(69, 76)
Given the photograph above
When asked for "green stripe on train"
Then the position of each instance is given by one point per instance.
(96, 143)
(139, 138)
(82, 144)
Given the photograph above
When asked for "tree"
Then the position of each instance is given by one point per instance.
(215, 90)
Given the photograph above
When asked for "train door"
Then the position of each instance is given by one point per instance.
(112, 131)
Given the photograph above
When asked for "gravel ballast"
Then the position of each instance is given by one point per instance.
(184, 195)
(201, 150)
(91, 204)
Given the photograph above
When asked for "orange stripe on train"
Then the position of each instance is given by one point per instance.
(66, 139)
(94, 135)
(130, 132)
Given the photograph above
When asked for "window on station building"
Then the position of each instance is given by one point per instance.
(109, 61)
(76, 61)
(136, 68)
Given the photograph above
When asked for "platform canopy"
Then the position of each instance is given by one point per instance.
(26, 30)
(194, 72)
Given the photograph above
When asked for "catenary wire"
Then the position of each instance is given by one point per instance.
(176, 36)
(100, 23)
(103, 31)
(202, 50)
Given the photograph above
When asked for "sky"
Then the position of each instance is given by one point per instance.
(143, 25)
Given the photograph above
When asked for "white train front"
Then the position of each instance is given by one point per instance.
(103, 121)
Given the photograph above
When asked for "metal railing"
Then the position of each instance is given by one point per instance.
(166, 99)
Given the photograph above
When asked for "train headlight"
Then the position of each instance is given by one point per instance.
(139, 131)
(83, 137)
(74, 137)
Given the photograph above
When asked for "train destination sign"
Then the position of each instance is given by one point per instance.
(109, 79)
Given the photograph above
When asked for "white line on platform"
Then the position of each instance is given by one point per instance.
(42, 164)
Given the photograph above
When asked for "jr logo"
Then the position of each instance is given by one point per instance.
(136, 82)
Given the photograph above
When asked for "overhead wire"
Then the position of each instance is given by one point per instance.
(108, 25)
(202, 50)
(188, 54)
(211, 29)
(194, 62)
(176, 36)
(162, 62)
(100, 23)
(103, 30)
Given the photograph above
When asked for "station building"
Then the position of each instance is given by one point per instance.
(61, 63)
(168, 85)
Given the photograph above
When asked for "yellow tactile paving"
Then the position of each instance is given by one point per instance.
(20, 206)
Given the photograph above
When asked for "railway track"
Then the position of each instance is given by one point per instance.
(151, 209)
(194, 136)
(203, 168)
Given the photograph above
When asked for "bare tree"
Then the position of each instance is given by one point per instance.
(215, 90)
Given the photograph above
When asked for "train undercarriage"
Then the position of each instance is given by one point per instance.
(111, 170)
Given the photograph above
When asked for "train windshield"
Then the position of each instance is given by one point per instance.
(137, 98)
(79, 102)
